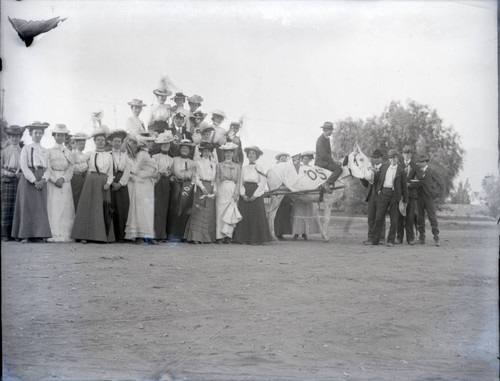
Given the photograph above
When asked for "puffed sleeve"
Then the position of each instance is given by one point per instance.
(261, 188)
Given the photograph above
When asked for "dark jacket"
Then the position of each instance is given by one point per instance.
(323, 152)
(412, 171)
(372, 187)
(430, 184)
(400, 186)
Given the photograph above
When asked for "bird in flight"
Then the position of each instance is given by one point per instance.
(28, 30)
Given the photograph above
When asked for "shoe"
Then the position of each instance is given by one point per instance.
(390, 244)
(421, 241)
(399, 242)
(226, 240)
(295, 237)
(436, 241)
(219, 241)
(370, 243)
(280, 238)
(304, 236)
(411, 243)
(84, 241)
(5, 239)
(24, 240)
(328, 188)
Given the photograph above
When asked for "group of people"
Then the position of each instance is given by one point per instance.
(179, 179)
(407, 190)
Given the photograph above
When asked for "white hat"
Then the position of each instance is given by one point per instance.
(165, 137)
(229, 146)
(219, 112)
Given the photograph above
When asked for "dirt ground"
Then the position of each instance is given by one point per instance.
(284, 311)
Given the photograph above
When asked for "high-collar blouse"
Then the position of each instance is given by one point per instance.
(34, 155)
(104, 163)
(184, 169)
(253, 173)
(61, 163)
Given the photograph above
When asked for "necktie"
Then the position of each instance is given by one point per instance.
(95, 162)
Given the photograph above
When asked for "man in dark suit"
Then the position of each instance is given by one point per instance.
(324, 157)
(431, 186)
(391, 189)
(371, 197)
(408, 222)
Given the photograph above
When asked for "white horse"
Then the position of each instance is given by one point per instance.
(306, 184)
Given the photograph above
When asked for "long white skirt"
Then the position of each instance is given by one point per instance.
(225, 194)
(141, 213)
(305, 218)
(61, 212)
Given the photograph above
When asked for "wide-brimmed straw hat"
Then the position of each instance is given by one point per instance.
(163, 92)
(229, 146)
(195, 99)
(122, 134)
(37, 126)
(219, 112)
(103, 130)
(180, 94)
(256, 149)
(136, 102)
(308, 153)
(60, 129)
(148, 136)
(14, 130)
(80, 136)
(165, 137)
(277, 157)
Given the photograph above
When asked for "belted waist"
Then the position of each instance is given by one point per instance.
(99, 173)
(36, 168)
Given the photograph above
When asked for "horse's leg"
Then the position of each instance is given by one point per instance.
(271, 213)
(324, 224)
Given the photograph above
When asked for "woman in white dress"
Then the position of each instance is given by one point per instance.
(305, 214)
(227, 188)
(140, 221)
(60, 206)
(133, 125)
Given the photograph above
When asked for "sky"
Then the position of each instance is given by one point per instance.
(287, 67)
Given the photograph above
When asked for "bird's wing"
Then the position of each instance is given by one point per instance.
(31, 28)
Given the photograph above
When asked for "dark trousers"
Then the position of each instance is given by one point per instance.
(372, 214)
(407, 223)
(426, 204)
(385, 201)
(336, 172)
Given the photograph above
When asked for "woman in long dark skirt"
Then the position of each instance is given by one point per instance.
(181, 192)
(11, 172)
(162, 187)
(120, 200)
(93, 221)
(31, 219)
(283, 219)
(201, 226)
(253, 227)
(80, 166)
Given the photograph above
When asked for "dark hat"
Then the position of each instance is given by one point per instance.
(407, 149)
(235, 124)
(253, 148)
(392, 153)
(206, 145)
(37, 126)
(179, 115)
(180, 95)
(377, 153)
(122, 134)
(423, 157)
(14, 130)
(327, 126)
(199, 114)
(187, 143)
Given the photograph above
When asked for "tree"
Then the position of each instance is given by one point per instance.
(462, 194)
(491, 188)
(413, 124)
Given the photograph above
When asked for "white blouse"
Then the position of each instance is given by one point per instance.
(34, 155)
(184, 169)
(205, 171)
(11, 158)
(250, 173)
(164, 163)
(61, 163)
(134, 126)
(80, 161)
(121, 162)
(159, 112)
(104, 164)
